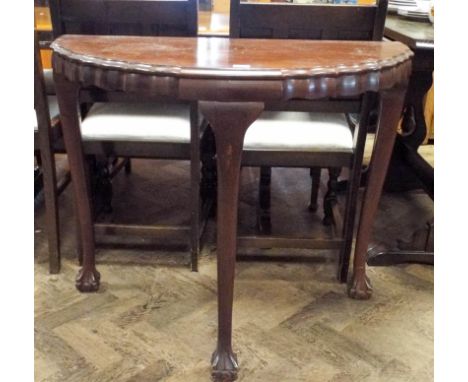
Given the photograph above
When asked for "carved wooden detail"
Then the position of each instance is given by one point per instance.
(372, 66)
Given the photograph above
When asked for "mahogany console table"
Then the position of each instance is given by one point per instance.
(231, 80)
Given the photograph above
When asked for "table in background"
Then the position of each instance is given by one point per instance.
(407, 169)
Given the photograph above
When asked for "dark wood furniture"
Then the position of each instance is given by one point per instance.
(307, 21)
(311, 22)
(232, 80)
(47, 138)
(102, 143)
(407, 169)
(125, 17)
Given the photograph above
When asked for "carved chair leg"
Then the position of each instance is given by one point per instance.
(229, 121)
(67, 94)
(330, 197)
(315, 173)
(264, 202)
(390, 112)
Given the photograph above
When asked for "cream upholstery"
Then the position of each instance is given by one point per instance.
(53, 109)
(53, 106)
(299, 131)
(154, 122)
(49, 81)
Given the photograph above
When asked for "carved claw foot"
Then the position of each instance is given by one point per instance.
(87, 281)
(360, 289)
(224, 366)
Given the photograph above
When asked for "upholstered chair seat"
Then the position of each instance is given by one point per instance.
(53, 109)
(299, 131)
(139, 122)
(49, 81)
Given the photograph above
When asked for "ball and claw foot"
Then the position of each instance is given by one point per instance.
(224, 366)
(360, 289)
(87, 281)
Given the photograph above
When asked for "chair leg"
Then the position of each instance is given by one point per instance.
(195, 187)
(101, 185)
(208, 184)
(315, 173)
(195, 221)
(106, 188)
(354, 182)
(195, 207)
(38, 178)
(330, 197)
(79, 245)
(51, 206)
(264, 202)
(128, 166)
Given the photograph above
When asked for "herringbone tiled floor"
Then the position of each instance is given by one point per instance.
(154, 320)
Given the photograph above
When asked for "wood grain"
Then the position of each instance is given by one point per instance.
(221, 57)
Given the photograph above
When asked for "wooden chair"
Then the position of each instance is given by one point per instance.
(47, 136)
(319, 133)
(114, 125)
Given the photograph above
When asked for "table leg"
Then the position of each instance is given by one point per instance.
(88, 277)
(391, 104)
(229, 121)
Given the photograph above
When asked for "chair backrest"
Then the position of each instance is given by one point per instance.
(125, 17)
(308, 21)
(41, 106)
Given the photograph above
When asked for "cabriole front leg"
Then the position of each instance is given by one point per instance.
(390, 112)
(229, 121)
(88, 277)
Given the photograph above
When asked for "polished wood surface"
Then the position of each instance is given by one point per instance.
(207, 70)
(221, 57)
(415, 34)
